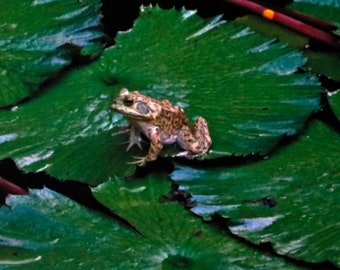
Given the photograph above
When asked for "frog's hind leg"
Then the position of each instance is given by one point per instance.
(155, 148)
(197, 141)
(201, 133)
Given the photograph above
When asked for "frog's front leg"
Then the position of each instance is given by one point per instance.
(135, 138)
(155, 148)
(197, 141)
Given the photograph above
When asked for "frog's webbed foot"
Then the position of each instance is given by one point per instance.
(140, 161)
(187, 155)
(135, 138)
(133, 141)
(182, 154)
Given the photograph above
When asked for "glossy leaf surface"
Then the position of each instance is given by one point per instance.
(289, 200)
(245, 85)
(252, 92)
(39, 38)
(46, 229)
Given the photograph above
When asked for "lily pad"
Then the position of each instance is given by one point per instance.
(35, 235)
(289, 200)
(39, 38)
(324, 62)
(67, 132)
(321, 58)
(326, 10)
(245, 85)
(75, 141)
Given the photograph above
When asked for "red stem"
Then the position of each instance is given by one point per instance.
(295, 24)
(11, 188)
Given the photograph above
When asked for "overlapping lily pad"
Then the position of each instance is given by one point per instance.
(289, 201)
(35, 235)
(39, 38)
(251, 91)
(325, 60)
(245, 85)
(322, 59)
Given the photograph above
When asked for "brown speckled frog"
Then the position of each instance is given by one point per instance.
(162, 123)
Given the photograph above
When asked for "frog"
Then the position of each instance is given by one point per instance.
(162, 123)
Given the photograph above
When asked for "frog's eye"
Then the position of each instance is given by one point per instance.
(143, 108)
(128, 102)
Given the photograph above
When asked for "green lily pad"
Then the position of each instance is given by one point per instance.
(289, 200)
(76, 140)
(245, 85)
(326, 10)
(323, 59)
(39, 38)
(35, 235)
(325, 62)
(67, 132)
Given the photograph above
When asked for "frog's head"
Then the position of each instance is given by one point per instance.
(135, 105)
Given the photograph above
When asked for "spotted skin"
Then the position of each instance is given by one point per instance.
(162, 123)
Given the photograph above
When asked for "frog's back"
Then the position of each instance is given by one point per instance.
(171, 118)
